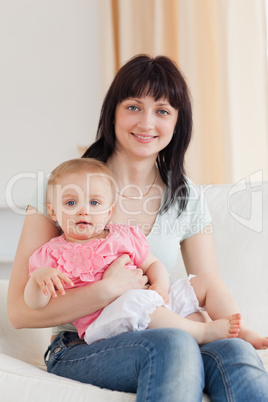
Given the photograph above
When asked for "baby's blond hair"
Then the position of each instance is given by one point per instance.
(83, 165)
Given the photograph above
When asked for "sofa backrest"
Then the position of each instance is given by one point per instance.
(240, 227)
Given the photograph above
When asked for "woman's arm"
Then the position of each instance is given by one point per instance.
(76, 303)
(198, 252)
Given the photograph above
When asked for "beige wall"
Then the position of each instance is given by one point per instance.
(50, 85)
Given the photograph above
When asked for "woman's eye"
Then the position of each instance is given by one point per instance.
(133, 108)
(93, 202)
(163, 112)
(70, 203)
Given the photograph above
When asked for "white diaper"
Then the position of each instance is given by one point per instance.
(182, 298)
(130, 312)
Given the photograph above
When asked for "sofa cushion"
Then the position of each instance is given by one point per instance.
(34, 341)
(22, 382)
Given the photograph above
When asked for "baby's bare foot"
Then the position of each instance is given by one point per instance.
(257, 341)
(221, 329)
(235, 324)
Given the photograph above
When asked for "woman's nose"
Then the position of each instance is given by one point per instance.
(146, 121)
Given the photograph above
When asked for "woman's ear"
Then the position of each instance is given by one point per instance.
(51, 213)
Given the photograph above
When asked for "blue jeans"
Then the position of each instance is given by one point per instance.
(163, 365)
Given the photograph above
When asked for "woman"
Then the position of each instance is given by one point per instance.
(144, 131)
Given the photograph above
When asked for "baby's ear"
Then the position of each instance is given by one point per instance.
(51, 213)
(110, 212)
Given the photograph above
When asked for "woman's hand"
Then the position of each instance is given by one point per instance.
(122, 279)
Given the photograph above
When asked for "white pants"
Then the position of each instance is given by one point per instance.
(131, 311)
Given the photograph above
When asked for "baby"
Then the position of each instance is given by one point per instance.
(81, 199)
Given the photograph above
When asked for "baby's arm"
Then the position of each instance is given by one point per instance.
(157, 275)
(42, 285)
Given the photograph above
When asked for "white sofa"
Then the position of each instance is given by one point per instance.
(240, 224)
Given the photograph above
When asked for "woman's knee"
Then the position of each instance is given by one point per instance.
(230, 349)
(242, 352)
(169, 339)
(176, 347)
(171, 366)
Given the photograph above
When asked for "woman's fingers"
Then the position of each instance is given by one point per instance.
(123, 260)
(123, 278)
(137, 278)
(143, 278)
(116, 267)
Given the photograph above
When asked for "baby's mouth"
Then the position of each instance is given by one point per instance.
(82, 223)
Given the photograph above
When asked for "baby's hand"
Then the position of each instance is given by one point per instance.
(49, 279)
(162, 292)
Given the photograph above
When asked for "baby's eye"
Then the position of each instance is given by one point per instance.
(133, 108)
(94, 202)
(70, 203)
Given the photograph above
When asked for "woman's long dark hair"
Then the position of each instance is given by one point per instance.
(158, 77)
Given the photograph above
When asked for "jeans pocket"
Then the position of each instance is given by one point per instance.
(53, 349)
(61, 343)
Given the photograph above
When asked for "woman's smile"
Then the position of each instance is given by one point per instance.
(144, 138)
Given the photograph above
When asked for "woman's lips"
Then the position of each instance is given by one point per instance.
(143, 138)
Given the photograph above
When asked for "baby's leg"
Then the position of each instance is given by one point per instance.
(202, 332)
(212, 293)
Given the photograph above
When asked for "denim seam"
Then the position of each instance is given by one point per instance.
(223, 373)
(150, 376)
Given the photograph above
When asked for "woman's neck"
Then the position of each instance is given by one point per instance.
(140, 189)
(137, 172)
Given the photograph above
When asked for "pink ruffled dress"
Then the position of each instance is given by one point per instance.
(85, 263)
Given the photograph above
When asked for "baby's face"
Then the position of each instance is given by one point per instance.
(83, 204)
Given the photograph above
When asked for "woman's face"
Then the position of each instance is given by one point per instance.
(143, 126)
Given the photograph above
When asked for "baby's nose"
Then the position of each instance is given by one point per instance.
(83, 210)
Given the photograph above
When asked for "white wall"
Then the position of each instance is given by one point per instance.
(50, 91)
